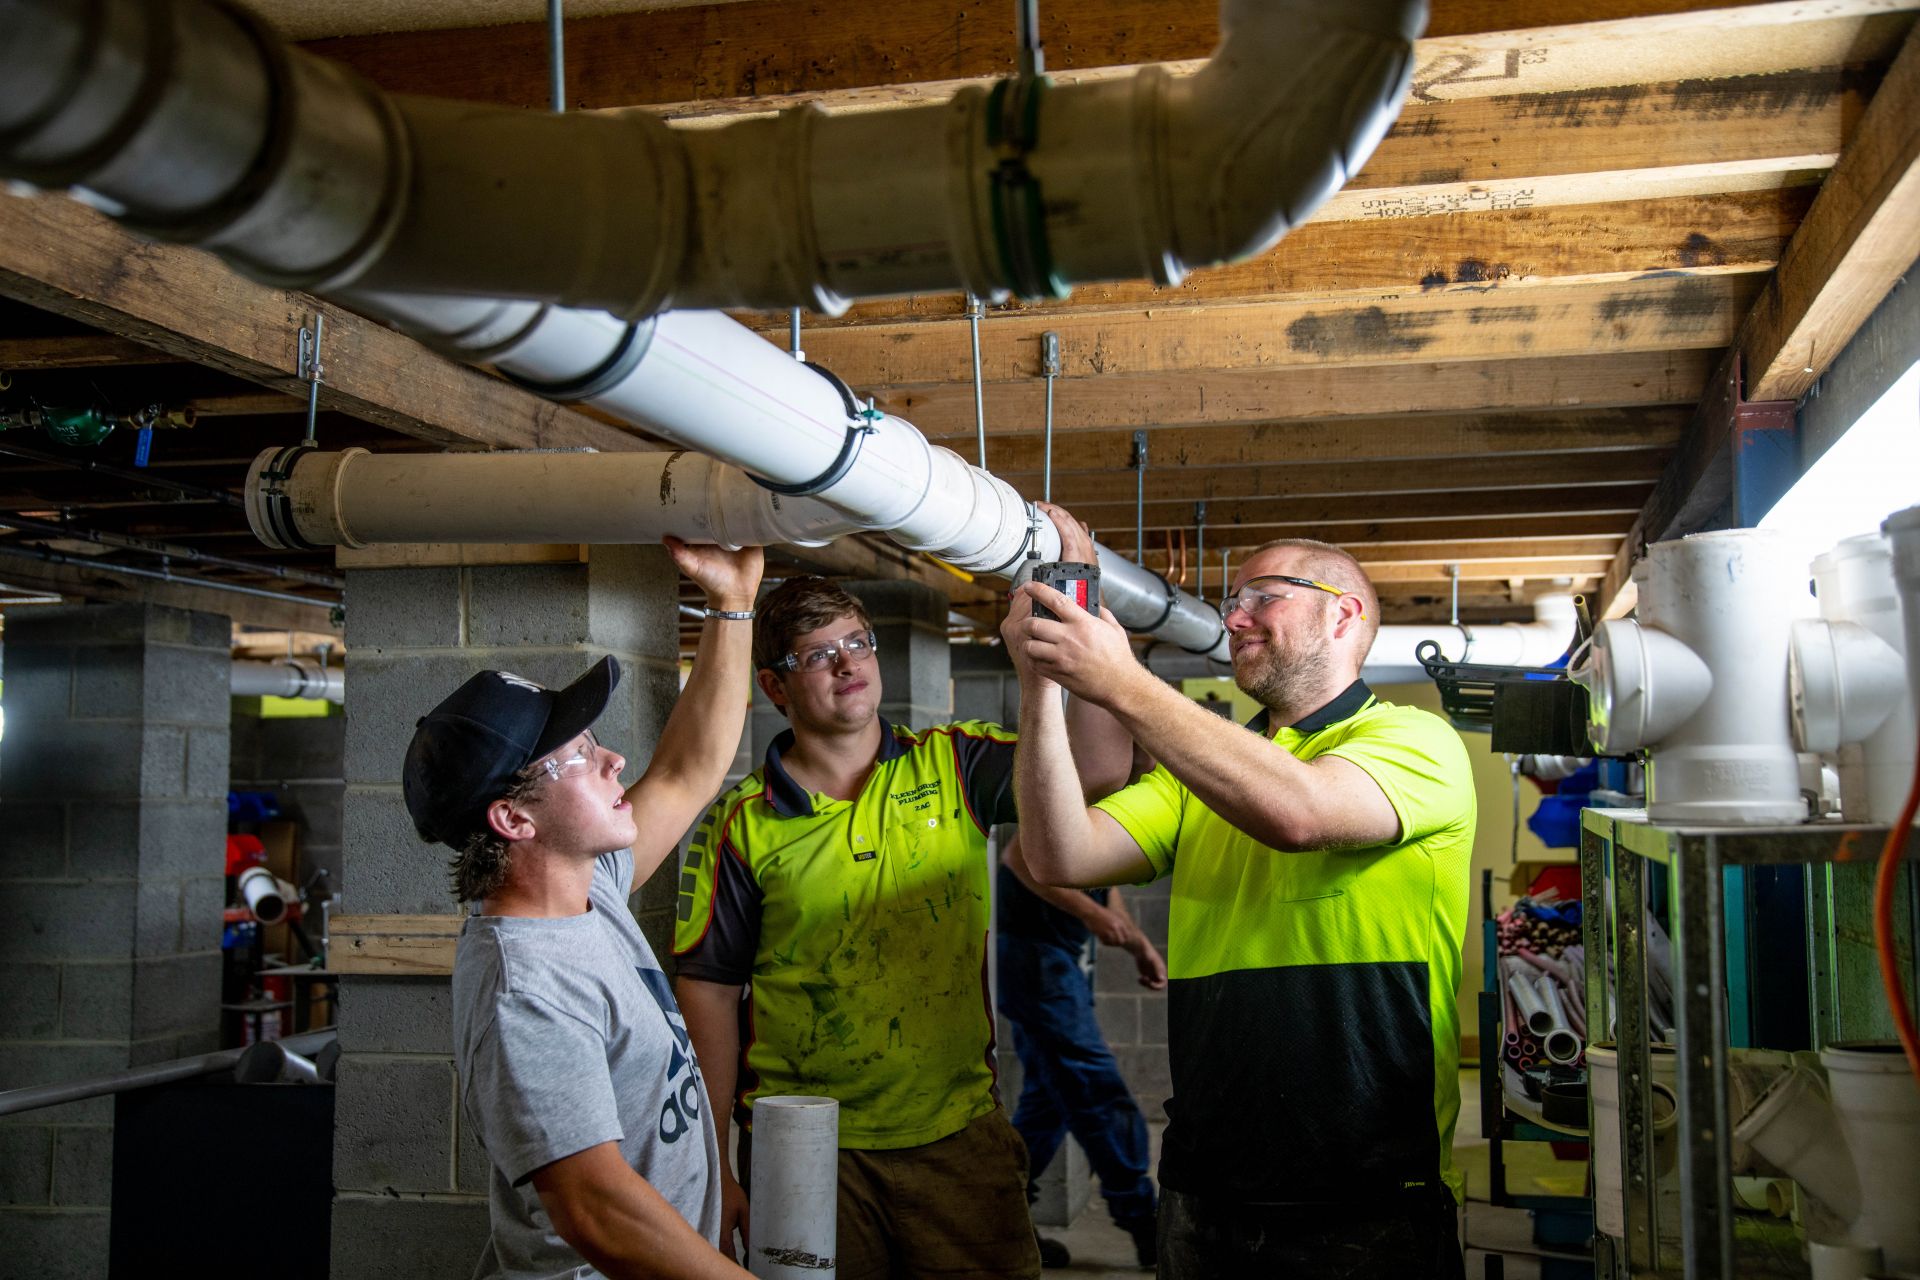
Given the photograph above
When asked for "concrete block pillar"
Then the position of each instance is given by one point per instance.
(410, 1180)
(910, 619)
(112, 855)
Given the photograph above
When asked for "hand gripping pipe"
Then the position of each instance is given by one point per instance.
(191, 121)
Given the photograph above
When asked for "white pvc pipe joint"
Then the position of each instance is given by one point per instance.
(265, 894)
(795, 1191)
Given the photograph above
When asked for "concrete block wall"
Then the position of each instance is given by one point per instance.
(301, 761)
(113, 783)
(910, 620)
(410, 1181)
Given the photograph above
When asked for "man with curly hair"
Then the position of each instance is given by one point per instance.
(576, 1069)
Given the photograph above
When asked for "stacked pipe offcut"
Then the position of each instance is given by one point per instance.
(1542, 983)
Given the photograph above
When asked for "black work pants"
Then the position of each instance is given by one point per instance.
(1415, 1236)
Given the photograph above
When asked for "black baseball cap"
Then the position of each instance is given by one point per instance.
(466, 752)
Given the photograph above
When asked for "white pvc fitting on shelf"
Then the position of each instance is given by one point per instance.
(1603, 1084)
(1641, 684)
(795, 1191)
(1852, 1142)
(1902, 529)
(1725, 602)
(265, 894)
(1848, 679)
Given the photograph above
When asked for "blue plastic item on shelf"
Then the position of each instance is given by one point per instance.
(252, 806)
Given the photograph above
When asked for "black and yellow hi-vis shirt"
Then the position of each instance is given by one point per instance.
(1312, 1027)
(861, 926)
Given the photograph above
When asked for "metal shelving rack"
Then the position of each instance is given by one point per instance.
(1615, 847)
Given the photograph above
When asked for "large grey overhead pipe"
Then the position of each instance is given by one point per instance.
(191, 121)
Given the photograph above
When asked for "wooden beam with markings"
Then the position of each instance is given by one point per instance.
(1664, 314)
(1254, 444)
(1597, 431)
(1860, 237)
(1091, 496)
(1443, 552)
(1726, 233)
(1857, 240)
(1287, 514)
(1291, 395)
(761, 54)
(1611, 526)
(64, 258)
(77, 351)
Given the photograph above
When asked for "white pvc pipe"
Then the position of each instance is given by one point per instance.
(287, 678)
(1533, 1010)
(795, 1191)
(265, 895)
(1903, 534)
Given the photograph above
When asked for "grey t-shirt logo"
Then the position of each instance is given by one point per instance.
(680, 1111)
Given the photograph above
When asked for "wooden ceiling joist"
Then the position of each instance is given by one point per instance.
(1224, 515)
(1148, 400)
(66, 259)
(1089, 494)
(1661, 314)
(77, 351)
(759, 53)
(1860, 235)
(1265, 443)
(1724, 233)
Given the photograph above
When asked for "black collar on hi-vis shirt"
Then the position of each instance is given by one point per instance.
(791, 800)
(1344, 704)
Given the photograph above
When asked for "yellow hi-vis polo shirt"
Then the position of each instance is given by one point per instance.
(861, 926)
(1312, 1029)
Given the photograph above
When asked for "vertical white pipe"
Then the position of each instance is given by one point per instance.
(1903, 533)
(795, 1191)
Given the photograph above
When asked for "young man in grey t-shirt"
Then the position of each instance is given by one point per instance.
(575, 1067)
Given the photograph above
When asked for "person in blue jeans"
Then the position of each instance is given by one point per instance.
(1071, 1082)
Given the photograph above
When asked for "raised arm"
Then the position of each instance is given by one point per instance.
(1259, 787)
(701, 735)
(1064, 842)
(1102, 748)
(616, 1220)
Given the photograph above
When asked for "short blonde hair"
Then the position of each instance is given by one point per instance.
(1336, 568)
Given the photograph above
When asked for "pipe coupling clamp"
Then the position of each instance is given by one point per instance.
(269, 506)
(603, 377)
(1019, 215)
(1173, 598)
(859, 427)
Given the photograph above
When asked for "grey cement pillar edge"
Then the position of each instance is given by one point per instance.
(113, 784)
